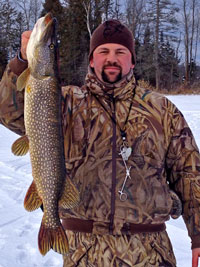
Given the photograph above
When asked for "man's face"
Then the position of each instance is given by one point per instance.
(111, 62)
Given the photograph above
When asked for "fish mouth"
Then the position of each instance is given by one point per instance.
(48, 18)
(49, 32)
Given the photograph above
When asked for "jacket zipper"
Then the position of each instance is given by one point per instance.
(114, 153)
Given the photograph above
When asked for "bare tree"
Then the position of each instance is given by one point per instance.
(157, 44)
(197, 32)
(186, 17)
(193, 5)
(191, 23)
(31, 11)
(117, 10)
(136, 14)
(87, 7)
(36, 6)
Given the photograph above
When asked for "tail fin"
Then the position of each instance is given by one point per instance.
(32, 200)
(52, 238)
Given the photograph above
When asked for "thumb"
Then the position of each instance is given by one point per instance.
(24, 42)
(195, 258)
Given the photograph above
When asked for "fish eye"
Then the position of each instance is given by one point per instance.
(51, 46)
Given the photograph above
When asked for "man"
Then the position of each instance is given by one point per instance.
(129, 151)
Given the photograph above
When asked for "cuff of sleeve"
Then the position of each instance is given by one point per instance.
(195, 241)
(18, 65)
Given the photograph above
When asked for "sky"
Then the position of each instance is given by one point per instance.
(178, 16)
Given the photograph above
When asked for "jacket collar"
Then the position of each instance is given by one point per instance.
(120, 90)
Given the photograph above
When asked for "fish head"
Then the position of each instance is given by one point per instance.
(42, 48)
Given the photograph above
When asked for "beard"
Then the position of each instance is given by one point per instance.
(105, 77)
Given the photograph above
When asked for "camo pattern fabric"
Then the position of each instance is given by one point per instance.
(11, 103)
(164, 154)
(89, 142)
(139, 250)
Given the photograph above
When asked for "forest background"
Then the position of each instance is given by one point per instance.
(166, 32)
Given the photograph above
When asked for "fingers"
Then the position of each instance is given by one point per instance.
(24, 41)
(195, 262)
(195, 257)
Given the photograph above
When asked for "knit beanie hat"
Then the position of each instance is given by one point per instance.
(112, 31)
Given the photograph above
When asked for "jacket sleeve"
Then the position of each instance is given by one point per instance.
(12, 101)
(183, 167)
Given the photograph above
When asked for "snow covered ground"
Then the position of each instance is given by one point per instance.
(19, 228)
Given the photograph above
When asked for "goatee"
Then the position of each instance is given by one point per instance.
(105, 77)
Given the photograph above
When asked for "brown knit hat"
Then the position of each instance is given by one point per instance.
(112, 31)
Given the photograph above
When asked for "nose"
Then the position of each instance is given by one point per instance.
(111, 57)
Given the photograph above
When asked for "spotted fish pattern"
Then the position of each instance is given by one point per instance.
(43, 133)
(164, 157)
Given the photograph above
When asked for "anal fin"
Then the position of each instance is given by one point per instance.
(32, 200)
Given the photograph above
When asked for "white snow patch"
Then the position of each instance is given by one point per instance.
(19, 228)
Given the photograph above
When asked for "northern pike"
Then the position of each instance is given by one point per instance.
(44, 138)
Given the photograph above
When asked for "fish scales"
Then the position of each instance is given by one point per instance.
(44, 138)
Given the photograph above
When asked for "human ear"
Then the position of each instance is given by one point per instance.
(91, 62)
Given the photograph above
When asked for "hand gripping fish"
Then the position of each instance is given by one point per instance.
(44, 139)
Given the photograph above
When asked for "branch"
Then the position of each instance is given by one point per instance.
(87, 10)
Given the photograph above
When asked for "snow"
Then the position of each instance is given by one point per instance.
(19, 228)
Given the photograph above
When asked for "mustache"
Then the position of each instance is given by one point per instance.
(112, 65)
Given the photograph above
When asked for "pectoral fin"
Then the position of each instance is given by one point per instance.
(21, 146)
(32, 200)
(70, 197)
(22, 79)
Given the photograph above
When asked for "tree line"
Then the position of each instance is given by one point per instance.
(166, 35)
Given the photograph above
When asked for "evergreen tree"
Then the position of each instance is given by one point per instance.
(73, 39)
(53, 6)
(76, 43)
(9, 43)
(144, 68)
(58, 11)
(77, 20)
(162, 19)
(168, 64)
(3, 58)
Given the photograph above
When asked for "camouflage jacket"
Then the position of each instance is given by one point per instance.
(164, 154)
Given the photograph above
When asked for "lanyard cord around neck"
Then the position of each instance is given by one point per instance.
(122, 131)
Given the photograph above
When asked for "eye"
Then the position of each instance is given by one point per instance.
(51, 46)
(120, 52)
(103, 52)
